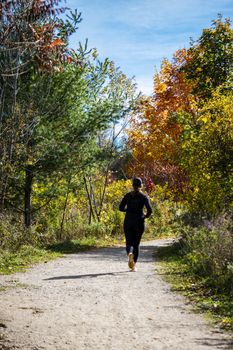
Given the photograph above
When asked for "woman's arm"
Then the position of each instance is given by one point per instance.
(123, 204)
(148, 207)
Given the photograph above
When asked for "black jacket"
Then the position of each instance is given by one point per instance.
(133, 204)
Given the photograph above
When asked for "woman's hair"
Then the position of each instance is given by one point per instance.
(137, 182)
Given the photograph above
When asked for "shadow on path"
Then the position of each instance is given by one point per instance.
(89, 275)
(216, 343)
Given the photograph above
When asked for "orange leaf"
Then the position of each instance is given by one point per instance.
(57, 42)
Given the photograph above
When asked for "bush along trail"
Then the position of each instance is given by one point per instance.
(91, 300)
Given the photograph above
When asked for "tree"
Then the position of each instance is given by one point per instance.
(59, 99)
(211, 62)
(181, 89)
(109, 146)
(154, 135)
(207, 157)
(33, 42)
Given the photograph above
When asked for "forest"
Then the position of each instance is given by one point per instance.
(75, 131)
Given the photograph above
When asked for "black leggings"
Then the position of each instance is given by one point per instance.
(133, 234)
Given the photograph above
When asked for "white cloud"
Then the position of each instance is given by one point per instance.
(145, 84)
(138, 34)
(163, 14)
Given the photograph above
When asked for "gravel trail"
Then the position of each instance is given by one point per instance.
(91, 301)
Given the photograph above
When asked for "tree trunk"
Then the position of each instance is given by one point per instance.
(102, 197)
(27, 195)
(91, 212)
(64, 207)
(3, 193)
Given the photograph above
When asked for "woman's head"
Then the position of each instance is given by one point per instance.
(137, 183)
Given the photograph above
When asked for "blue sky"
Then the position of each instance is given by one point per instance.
(138, 34)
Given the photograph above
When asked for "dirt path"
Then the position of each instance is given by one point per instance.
(91, 301)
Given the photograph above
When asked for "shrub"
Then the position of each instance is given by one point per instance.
(209, 251)
(167, 213)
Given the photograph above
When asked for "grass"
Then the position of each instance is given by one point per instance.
(216, 305)
(26, 256)
(3, 288)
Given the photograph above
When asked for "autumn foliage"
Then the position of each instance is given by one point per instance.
(154, 135)
(170, 137)
(33, 29)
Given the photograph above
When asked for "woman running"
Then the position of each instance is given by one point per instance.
(133, 204)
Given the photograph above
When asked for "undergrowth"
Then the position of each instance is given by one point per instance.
(201, 292)
(26, 256)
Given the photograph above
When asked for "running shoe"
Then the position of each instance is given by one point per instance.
(131, 261)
